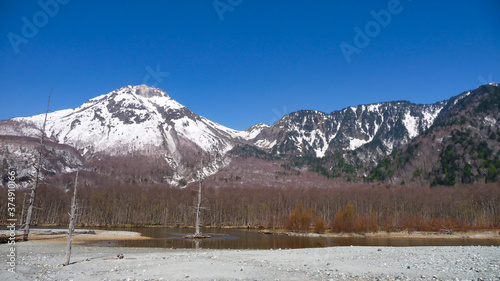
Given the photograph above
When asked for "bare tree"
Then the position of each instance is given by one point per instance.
(37, 176)
(72, 218)
(198, 207)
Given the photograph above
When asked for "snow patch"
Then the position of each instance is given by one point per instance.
(374, 107)
(490, 121)
(355, 143)
(266, 144)
(429, 117)
(252, 132)
(411, 124)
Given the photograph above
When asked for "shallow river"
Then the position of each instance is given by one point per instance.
(251, 239)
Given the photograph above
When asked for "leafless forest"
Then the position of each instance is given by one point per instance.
(364, 208)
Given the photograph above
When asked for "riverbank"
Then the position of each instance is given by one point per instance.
(79, 235)
(42, 259)
(480, 234)
(93, 235)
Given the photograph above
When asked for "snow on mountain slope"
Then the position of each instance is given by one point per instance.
(133, 118)
(139, 121)
(144, 119)
(313, 133)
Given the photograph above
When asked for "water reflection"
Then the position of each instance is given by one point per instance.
(249, 239)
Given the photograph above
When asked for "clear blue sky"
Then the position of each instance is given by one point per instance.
(262, 60)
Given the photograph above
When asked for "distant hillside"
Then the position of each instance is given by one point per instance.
(462, 146)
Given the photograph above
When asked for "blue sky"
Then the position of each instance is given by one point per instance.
(242, 62)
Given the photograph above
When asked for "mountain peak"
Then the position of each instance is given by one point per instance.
(147, 92)
(139, 90)
(143, 91)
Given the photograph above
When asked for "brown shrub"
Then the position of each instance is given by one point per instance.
(344, 219)
(319, 225)
(300, 219)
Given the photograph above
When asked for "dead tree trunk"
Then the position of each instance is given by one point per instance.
(197, 231)
(198, 207)
(37, 175)
(71, 227)
(22, 210)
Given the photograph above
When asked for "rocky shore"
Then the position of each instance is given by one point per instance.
(41, 259)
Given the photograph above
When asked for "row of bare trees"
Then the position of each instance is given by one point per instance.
(363, 208)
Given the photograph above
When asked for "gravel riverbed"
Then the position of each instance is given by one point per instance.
(41, 260)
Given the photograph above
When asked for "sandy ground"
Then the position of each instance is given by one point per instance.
(81, 235)
(41, 259)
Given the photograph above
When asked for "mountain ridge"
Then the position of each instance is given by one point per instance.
(140, 121)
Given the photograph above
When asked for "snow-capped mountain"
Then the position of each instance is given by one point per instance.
(314, 133)
(133, 120)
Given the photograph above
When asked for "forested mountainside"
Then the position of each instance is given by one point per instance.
(462, 146)
(454, 141)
